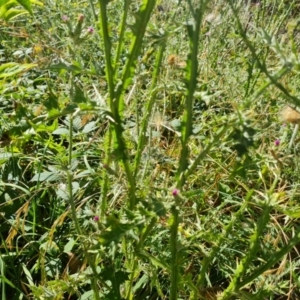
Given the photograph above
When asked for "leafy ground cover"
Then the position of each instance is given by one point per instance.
(143, 155)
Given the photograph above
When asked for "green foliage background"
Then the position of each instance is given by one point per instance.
(142, 154)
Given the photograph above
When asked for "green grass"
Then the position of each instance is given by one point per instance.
(138, 156)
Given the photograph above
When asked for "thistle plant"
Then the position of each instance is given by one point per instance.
(140, 154)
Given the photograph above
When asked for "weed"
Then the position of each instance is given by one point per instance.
(142, 156)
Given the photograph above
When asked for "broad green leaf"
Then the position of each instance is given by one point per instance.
(89, 127)
(37, 2)
(176, 124)
(87, 295)
(26, 4)
(142, 281)
(62, 66)
(63, 192)
(61, 131)
(84, 173)
(69, 246)
(9, 9)
(11, 69)
(45, 176)
(293, 213)
(51, 102)
(28, 274)
(52, 113)
(3, 67)
(79, 95)
(53, 266)
(69, 109)
(115, 231)
(13, 13)
(87, 106)
(14, 186)
(155, 261)
(4, 6)
(44, 128)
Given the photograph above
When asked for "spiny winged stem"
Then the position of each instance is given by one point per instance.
(174, 248)
(129, 291)
(116, 92)
(193, 30)
(142, 20)
(107, 49)
(105, 180)
(2, 271)
(114, 102)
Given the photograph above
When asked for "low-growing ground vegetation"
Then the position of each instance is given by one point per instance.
(143, 152)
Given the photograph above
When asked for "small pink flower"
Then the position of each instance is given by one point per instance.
(277, 142)
(96, 219)
(90, 30)
(65, 18)
(175, 192)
